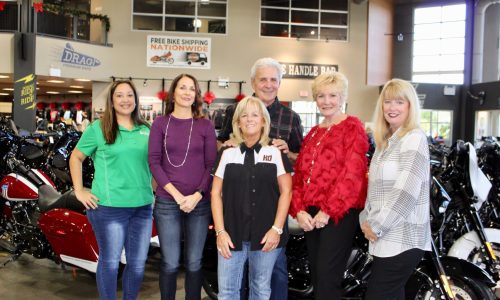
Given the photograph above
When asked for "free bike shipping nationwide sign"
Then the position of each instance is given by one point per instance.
(305, 71)
(178, 52)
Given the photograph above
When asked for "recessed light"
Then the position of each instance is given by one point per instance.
(8, 89)
(82, 79)
(75, 92)
(37, 88)
(4, 76)
(76, 86)
(4, 94)
(55, 81)
(52, 92)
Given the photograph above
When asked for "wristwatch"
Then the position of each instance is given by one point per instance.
(202, 193)
(278, 230)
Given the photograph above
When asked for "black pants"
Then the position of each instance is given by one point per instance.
(329, 249)
(390, 274)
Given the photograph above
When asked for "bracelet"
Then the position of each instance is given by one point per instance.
(218, 232)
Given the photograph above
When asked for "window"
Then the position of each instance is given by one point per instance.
(308, 112)
(487, 124)
(202, 16)
(437, 124)
(438, 44)
(307, 19)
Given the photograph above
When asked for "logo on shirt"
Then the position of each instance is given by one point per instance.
(267, 158)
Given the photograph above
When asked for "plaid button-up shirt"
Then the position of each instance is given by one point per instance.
(397, 207)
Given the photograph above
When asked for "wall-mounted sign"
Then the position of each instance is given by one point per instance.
(74, 58)
(178, 52)
(305, 71)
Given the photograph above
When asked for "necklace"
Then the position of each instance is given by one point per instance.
(315, 150)
(165, 143)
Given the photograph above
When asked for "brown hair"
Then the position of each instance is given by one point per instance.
(196, 107)
(109, 125)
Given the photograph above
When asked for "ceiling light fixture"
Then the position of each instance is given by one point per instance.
(76, 86)
(74, 92)
(83, 79)
(4, 76)
(52, 92)
(4, 94)
(55, 81)
(8, 89)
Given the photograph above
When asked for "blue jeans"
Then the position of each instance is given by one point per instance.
(260, 269)
(172, 224)
(116, 228)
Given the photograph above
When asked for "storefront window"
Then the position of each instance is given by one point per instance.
(308, 112)
(201, 16)
(487, 124)
(305, 19)
(437, 124)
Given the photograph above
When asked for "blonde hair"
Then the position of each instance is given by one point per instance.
(337, 79)
(237, 135)
(395, 89)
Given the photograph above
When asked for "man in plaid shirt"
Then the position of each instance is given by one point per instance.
(286, 133)
(286, 127)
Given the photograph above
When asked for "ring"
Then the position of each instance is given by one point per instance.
(322, 225)
(219, 249)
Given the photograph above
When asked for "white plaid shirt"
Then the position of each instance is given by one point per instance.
(397, 207)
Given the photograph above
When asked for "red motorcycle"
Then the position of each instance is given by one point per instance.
(37, 220)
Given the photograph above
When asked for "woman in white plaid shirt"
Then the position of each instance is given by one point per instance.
(396, 215)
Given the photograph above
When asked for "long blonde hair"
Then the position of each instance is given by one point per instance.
(237, 135)
(395, 89)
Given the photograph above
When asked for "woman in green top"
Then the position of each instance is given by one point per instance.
(119, 207)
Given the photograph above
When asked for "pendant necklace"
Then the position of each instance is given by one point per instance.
(316, 146)
(165, 143)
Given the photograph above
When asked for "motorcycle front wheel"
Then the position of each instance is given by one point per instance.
(210, 287)
(463, 288)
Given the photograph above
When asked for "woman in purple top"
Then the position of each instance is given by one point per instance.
(182, 152)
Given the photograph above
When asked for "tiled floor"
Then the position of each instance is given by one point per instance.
(41, 279)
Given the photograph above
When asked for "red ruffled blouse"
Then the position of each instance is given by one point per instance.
(333, 174)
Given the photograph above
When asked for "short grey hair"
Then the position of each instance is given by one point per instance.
(266, 62)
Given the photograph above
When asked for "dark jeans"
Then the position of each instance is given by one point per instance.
(390, 274)
(279, 279)
(117, 228)
(175, 226)
(328, 249)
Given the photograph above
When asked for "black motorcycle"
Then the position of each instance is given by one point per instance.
(57, 162)
(434, 278)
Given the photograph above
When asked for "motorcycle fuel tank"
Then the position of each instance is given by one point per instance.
(17, 188)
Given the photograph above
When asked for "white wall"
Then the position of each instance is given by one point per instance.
(6, 53)
(233, 54)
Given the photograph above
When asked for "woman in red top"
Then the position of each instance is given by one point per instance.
(329, 185)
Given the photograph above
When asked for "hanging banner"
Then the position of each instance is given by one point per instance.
(23, 108)
(178, 52)
(305, 71)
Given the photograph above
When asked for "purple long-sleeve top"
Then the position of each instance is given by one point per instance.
(194, 174)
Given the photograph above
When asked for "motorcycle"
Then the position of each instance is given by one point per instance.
(459, 230)
(57, 162)
(37, 220)
(434, 278)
